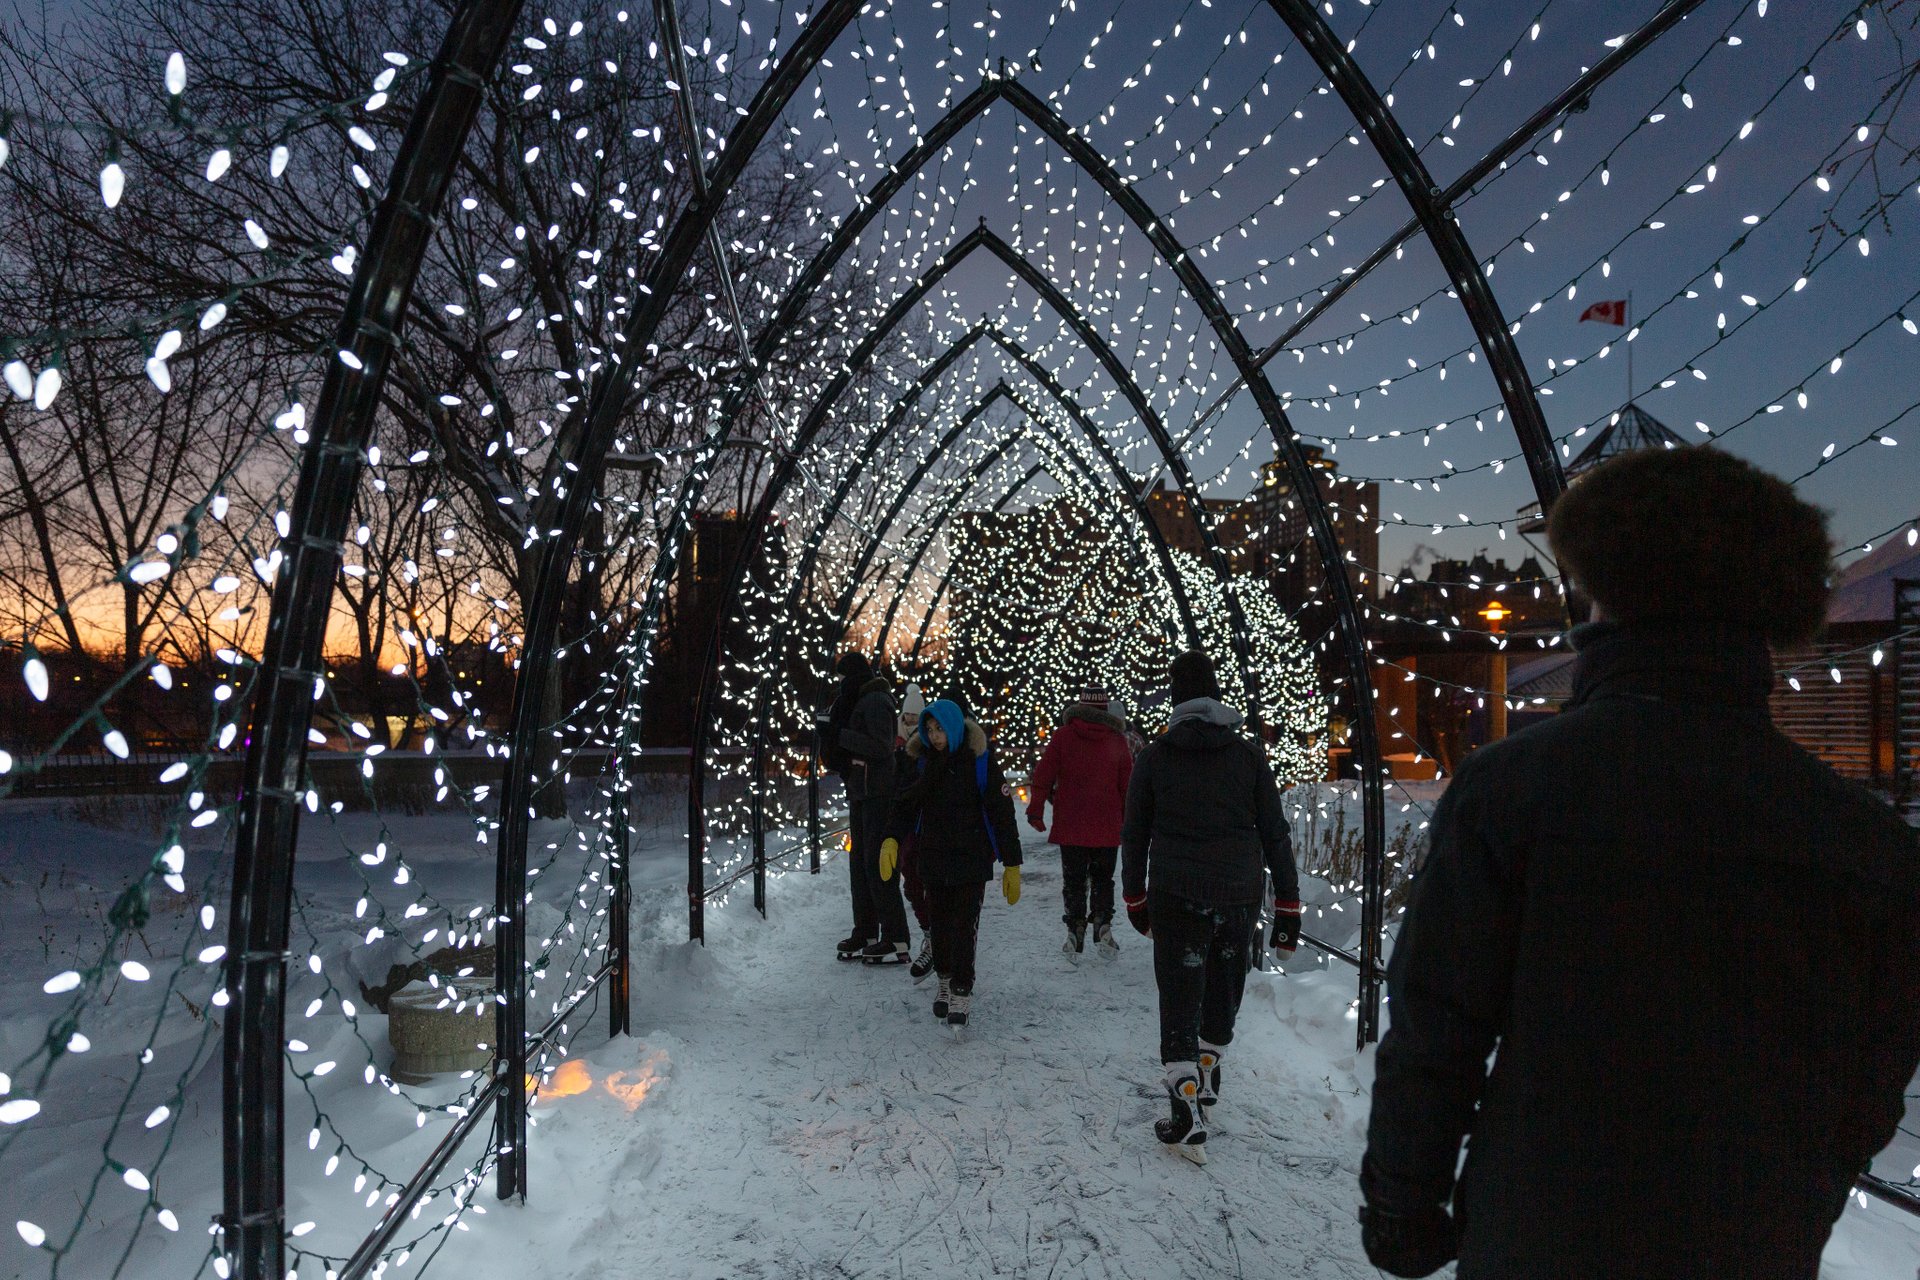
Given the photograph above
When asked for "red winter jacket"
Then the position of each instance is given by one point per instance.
(1084, 771)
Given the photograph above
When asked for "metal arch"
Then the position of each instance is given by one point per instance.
(1040, 429)
(709, 676)
(1572, 98)
(897, 311)
(897, 414)
(1285, 439)
(1156, 428)
(1443, 232)
(253, 1206)
(1060, 442)
(579, 463)
(1286, 442)
(926, 619)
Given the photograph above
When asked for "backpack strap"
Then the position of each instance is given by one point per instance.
(920, 763)
(980, 783)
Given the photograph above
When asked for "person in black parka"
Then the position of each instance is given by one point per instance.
(854, 671)
(868, 739)
(1688, 944)
(960, 818)
(1204, 828)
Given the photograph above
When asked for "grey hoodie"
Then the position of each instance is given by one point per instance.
(1204, 819)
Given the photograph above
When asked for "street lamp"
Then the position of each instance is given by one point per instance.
(1496, 613)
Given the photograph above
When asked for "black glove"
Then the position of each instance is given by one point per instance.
(1284, 936)
(1409, 1244)
(1137, 916)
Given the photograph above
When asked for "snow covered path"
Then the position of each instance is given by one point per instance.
(786, 1114)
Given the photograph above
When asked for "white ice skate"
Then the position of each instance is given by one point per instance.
(1185, 1129)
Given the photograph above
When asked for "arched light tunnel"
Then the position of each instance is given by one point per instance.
(374, 322)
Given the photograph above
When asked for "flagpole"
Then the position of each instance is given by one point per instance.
(1629, 343)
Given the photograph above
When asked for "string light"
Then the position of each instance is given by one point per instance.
(520, 329)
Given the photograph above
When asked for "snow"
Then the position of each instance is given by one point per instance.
(777, 1113)
(809, 1117)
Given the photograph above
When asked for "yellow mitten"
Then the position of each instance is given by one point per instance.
(889, 857)
(1010, 884)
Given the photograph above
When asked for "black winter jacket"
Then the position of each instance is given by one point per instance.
(1204, 818)
(1694, 946)
(868, 739)
(943, 809)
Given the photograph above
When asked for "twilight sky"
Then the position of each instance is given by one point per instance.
(1178, 90)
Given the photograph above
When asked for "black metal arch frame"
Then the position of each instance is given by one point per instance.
(850, 368)
(1038, 429)
(896, 414)
(816, 536)
(253, 1218)
(845, 611)
(776, 486)
(1033, 413)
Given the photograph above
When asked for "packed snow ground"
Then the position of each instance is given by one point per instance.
(807, 1117)
(777, 1113)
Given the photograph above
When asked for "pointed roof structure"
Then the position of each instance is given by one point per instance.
(1631, 428)
(1863, 591)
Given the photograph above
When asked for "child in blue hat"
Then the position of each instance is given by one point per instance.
(957, 807)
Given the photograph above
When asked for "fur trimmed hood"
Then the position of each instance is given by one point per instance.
(878, 684)
(976, 741)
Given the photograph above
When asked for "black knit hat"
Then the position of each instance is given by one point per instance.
(853, 666)
(1192, 676)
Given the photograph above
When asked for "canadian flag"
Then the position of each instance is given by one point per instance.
(1614, 312)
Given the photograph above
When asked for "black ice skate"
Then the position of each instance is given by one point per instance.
(958, 1003)
(1076, 938)
(941, 1001)
(1185, 1129)
(849, 948)
(1103, 938)
(886, 953)
(923, 962)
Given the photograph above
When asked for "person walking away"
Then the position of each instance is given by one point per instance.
(1204, 828)
(1136, 743)
(1688, 944)
(1084, 774)
(912, 703)
(854, 671)
(957, 808)
(869, 739)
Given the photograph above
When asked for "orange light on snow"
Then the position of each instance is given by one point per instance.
(569, 1078)
(573, 1078)
(632, 1087)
